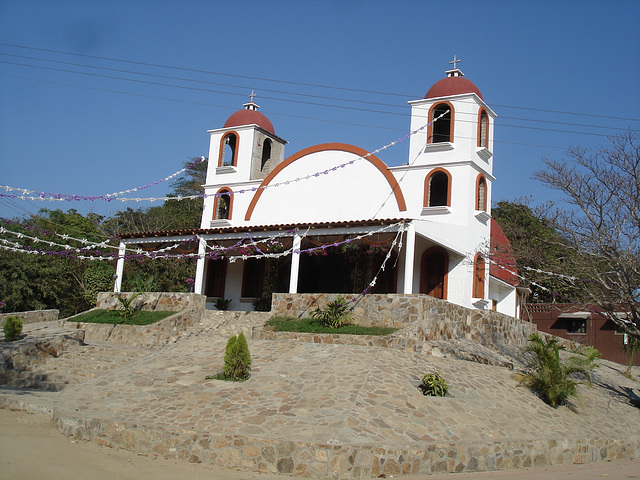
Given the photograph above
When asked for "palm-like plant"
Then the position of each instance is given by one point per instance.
(549, 376)
(335, 314)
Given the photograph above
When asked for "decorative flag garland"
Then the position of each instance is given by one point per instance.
(59, 197)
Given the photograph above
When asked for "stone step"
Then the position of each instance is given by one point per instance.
(74, 365)
(227, 323)
(34, 380)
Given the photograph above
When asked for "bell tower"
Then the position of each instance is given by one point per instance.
(246, 148)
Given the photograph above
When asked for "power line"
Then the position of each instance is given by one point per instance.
(272, 98)
(300, 83)
(273, 91)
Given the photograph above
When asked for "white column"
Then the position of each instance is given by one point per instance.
(295, 263)
(409, 253)
(117, 287)
(200, 266)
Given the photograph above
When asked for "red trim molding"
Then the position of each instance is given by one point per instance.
(343, 147)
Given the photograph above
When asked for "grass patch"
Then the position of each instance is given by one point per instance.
(113, 317)
(313, 325)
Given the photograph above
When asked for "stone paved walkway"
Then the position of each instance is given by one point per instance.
(339, 411)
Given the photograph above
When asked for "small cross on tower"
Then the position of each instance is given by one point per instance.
(455, 71)
(251, 105)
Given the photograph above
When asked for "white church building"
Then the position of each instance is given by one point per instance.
(334, 218)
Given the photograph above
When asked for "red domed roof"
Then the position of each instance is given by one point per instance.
(452, 86)
(249, 117)
(503, 263)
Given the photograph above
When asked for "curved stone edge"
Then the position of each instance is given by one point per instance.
(344, 461)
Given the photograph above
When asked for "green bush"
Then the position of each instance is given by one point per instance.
(262, 304)
(434, 385)
(549, 376)
(97, 278)
(126, 309)
(12, 328)
(335, 314)
(237, 360)
(222, 303)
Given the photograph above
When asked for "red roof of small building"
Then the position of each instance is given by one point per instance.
(452, 86)
(502, 263)
(249, 117)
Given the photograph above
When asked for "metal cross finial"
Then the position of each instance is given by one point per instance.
(455, 60)
(253, 95)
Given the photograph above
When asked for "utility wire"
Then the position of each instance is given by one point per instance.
(298, 83)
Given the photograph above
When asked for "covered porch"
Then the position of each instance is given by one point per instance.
(246, 264)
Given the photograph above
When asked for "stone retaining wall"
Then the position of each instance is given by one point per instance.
(342, 461)
(18, 358)
(190, 308)
(430, 318)
(173, 301)
(385, 341)
(33, 316)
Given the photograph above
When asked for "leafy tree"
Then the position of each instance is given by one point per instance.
(97, 278)
(58, 280)
(600, 219)
(538, 249)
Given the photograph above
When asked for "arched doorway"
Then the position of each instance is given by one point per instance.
(433, 272)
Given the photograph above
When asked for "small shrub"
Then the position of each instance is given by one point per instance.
(126, 309)
(548, 376)
(335, 314)
(237, 360)
(222, 303)
(434, 385)
(262, 304)
(12, 328)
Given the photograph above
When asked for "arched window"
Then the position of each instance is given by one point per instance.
(266, 152)
(483, 129)
(441, 129)
(228, 150)
(222, 205)
(433, 272)
(437, 189)
(481, 193)
(478, 276)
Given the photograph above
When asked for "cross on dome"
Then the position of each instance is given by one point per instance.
(251, 105)
(455, 71)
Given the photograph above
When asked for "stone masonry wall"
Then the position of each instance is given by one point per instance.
(189, 308)
(34, 316)
(325, 460)
(429, 318)
(173, 301)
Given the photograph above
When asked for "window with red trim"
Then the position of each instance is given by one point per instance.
(441, 127)
(437, 186)
(481, 193)
(228, 150)
(483, 129)
(222, 205)
(478, 276)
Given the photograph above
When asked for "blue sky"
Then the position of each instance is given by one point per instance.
(83, 134)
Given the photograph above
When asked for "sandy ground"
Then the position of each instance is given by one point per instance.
(31, 448)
